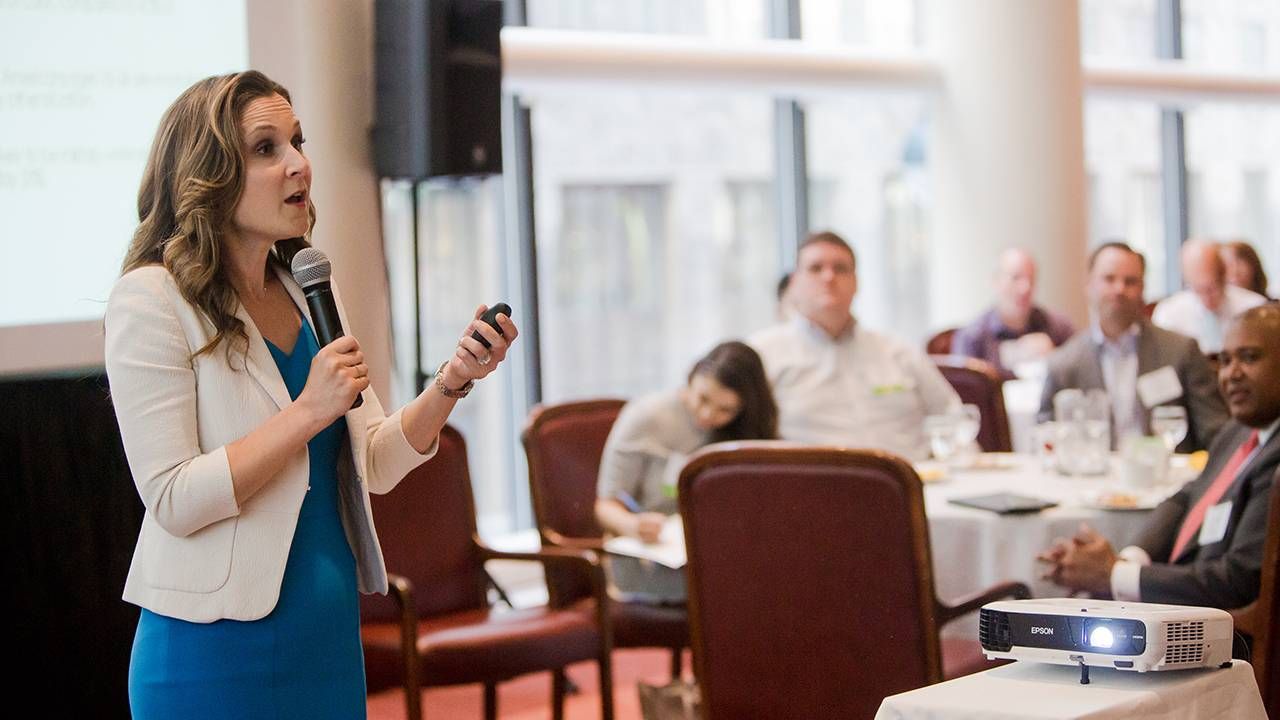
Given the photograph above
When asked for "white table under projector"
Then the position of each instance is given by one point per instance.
(1141, 637)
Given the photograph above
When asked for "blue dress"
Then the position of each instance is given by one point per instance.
(302, 660)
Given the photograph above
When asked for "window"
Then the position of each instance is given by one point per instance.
(1122, 159)
(1233, 162)
(656, 233)
(723, 19)
(887, 24)
(870, 183)
(461, 264)
(1232, 34)
(607, 290)
(1118, 29)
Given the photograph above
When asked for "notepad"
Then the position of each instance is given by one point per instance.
(1004, 503)
(668, 551)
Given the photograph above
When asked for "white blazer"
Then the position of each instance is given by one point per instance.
(200, 556)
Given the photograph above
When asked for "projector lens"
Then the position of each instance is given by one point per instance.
(1101, 637)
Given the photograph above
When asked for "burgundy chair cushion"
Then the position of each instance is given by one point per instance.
(638, 624)
(480, 645)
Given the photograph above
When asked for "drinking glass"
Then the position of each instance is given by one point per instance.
(1170, 423)
(941, 431)
(1084, 431)
(968, 424)
(1044, 439)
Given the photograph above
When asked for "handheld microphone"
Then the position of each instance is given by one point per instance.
(490, 316)
(311, 270)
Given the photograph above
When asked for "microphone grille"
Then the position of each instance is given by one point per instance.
(310, 266)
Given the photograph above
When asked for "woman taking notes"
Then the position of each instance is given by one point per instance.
(253, 466)
(727, 398)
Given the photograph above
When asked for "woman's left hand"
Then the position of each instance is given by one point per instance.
(471, 360)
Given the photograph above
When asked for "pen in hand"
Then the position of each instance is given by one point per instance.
(627, 501)
(648, 525)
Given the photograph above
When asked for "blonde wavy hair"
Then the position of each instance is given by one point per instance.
(190, 188)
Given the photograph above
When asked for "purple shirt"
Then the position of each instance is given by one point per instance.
(981, 338)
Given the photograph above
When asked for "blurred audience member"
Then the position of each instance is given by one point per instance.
(1203, 310)
(727, 398)
(1015, 330)
(1204, 545)
(784, 297)
(839, 383)
(1138, 364)
(1244, 267)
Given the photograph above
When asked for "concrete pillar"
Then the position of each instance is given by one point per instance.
(1007, 152)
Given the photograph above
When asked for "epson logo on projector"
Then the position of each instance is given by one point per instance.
(1041, 630)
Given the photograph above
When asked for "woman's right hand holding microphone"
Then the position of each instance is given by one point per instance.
(338, 374)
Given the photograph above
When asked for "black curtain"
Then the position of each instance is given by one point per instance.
(71, 518)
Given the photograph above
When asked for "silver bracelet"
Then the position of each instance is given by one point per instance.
(444, 389)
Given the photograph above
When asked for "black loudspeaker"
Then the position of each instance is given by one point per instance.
(438, 70)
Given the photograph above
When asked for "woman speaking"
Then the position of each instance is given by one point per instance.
(253, 465)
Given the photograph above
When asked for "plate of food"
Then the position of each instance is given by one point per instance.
(1121, 500)
(993, 461)
(931, 471)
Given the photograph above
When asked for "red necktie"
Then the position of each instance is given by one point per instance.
(1195, 518)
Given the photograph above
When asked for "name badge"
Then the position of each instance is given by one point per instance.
(1215, 524)
(1159, 386)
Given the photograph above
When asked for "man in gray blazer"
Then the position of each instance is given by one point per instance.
(1138, 364)
(1204, 545)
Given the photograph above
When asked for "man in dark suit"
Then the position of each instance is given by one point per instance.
(1138, 364)
(1204, 545)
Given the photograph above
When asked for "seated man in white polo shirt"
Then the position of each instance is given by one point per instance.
(836, 382)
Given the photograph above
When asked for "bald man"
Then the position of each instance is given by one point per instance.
(1204, 545)
(1203, 310)
(1015, 330)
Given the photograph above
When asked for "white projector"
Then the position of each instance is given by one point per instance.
(1106, 633)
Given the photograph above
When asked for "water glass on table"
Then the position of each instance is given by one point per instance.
(942, 434)
(968, 426)
(1169, 423)
(1044, 438)
(1083, 424)
(952, 435)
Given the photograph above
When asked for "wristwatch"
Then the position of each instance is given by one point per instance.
(444, 389)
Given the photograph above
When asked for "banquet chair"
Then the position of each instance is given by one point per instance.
(940, 342)
(1261, 619)
(977, 382)
(437, 626)
(563, 444)
(810, 582)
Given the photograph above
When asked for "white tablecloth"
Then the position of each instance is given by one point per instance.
(1036, 690)
(974, 549)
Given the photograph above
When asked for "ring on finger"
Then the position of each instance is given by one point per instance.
(488, 358)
